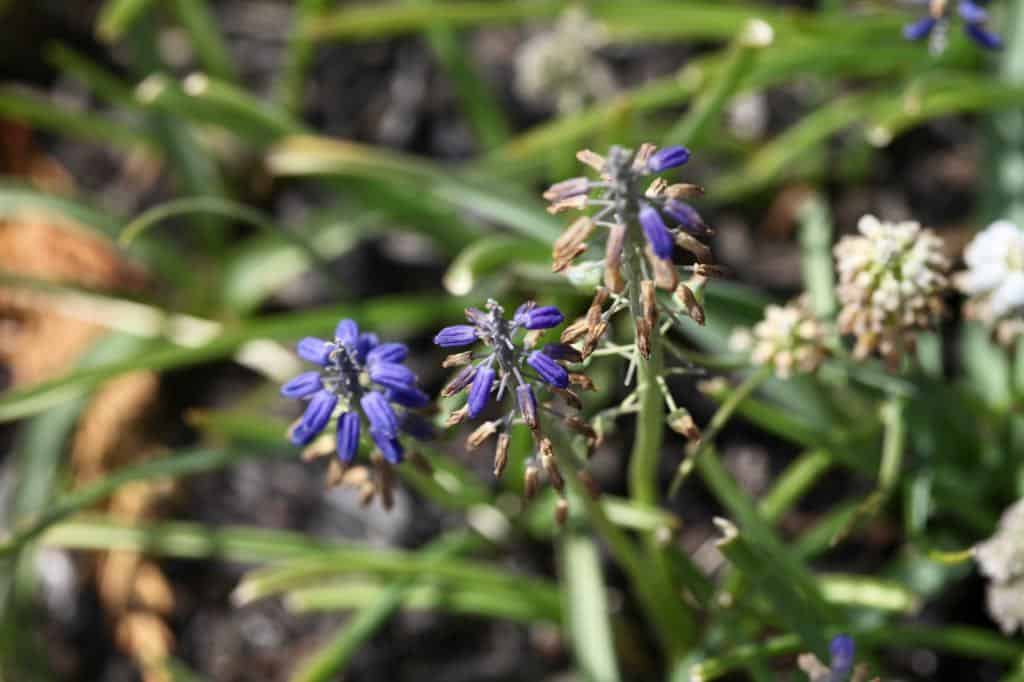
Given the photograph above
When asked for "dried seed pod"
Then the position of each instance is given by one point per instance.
(682, 423)
(594, 335)
(459, 382)
(643, 155)
(531, 338)
(566, 188)
(531, 480)
(589, 484)
(580, 426)
(561, 511)
(574, 235)
(649, 303)
(592, 159)
(569, 204)
(665, 275)
(613, 258)
(457, 417)
(656, 188)
(643, 338)
(457, 359)
(693, 308)
(335, 473)
(481, 434)
(501, 454)
(683, 190)
(699, 249)
(581, 380)
(575, 331)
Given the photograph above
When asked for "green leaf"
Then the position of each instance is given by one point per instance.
(587, 608)
(206, 38)
(388, 315)
(117, 16)
(302, 156)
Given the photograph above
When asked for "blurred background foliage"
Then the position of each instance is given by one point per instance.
(191, 185)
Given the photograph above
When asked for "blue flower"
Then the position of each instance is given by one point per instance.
(367, 381)
(935, 25)
(507, 364)
(668, 157)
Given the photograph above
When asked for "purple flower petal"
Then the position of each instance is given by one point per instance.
(549, 371)
(392, 375)
(348, 436)
(388, 445)
(983, 37)
(410, 397)
(315, 350)
(388, 352)
(544, 317)
(366, 343)
(347, 333)
(972, 12)
(302, 386)
(562, 351)
(686, 216)
(456, 335)
(315, 418)
(480, 391)
(668, 157)
(657, 234)
(416, 426)
(379, 413)
(919, 29)
(841, 650)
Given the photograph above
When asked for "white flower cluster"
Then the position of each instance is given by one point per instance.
(561, 67)
(994, 279)
(891, 280)
(1001, 559)
(789, 338)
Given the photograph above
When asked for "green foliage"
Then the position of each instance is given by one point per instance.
(931, 453)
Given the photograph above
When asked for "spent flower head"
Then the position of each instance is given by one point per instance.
(789, 339)
(994, 279)
(935, 25)
(562, 66)
(638, 221)
(892, 277)
(509, 364)
(1001, 560)
(359, 381)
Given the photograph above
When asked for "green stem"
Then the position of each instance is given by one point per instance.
(650, 428)
(668, 614)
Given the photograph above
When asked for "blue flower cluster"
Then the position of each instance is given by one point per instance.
(936, 23)
(368, 381)
(506, 361)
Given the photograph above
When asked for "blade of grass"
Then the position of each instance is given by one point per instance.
(737, 65)
(328, 662)
(389, 315)
(475, 96)
(38, 112)
(290, 84)
(586, 604)
(446, 597)
(301, 156)
(115, 17)
(177, 465)
(96, 78)
(206, 38)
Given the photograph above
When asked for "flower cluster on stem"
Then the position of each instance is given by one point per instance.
(637, 224)
(994, 279)
(359, 381)
(510, 364)
(892, 277)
